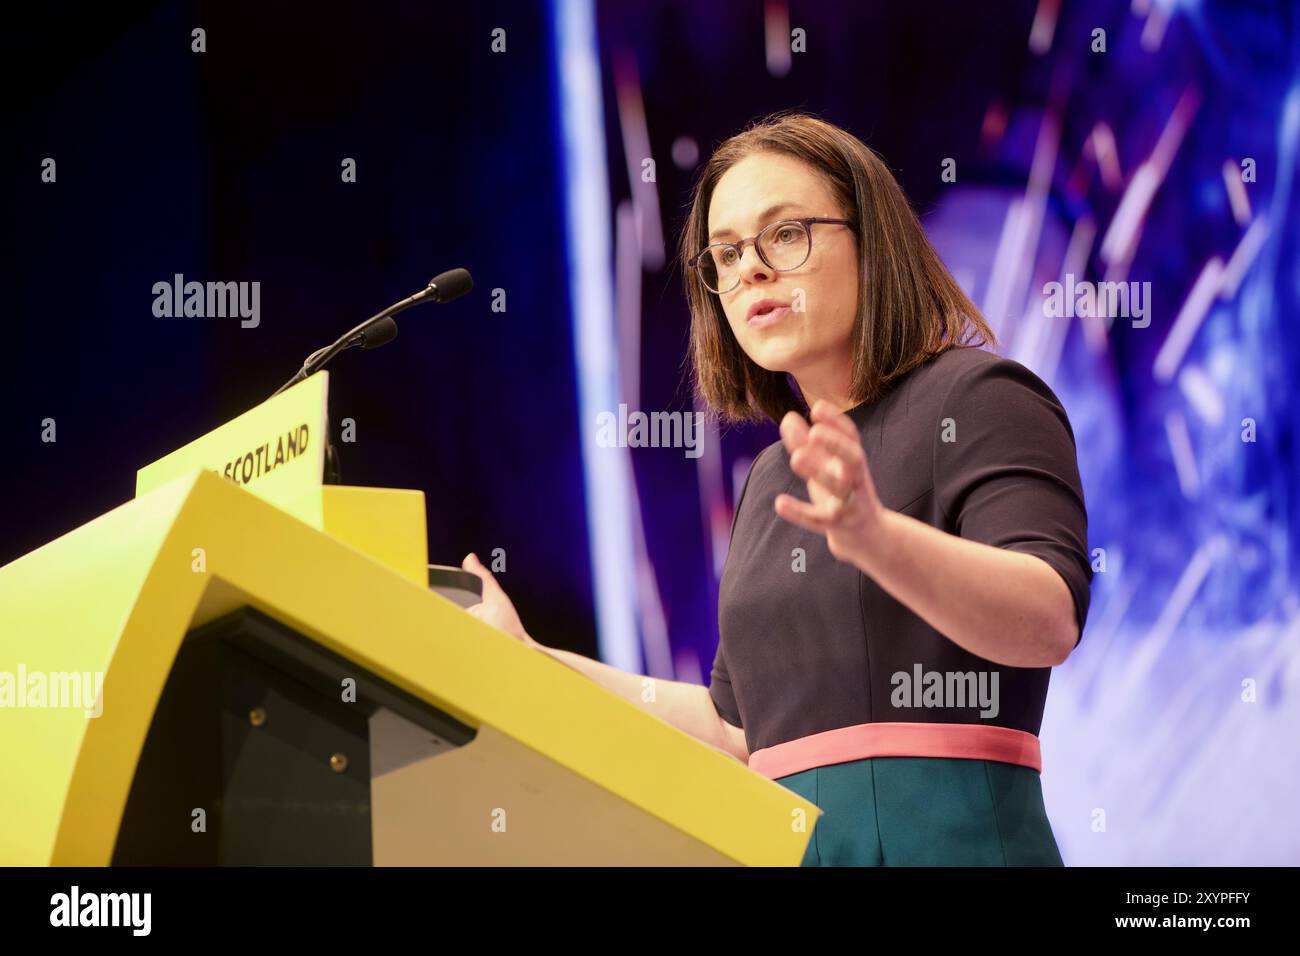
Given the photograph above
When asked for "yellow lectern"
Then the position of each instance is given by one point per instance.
(247, 666)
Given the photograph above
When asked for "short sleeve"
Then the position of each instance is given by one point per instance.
(1006, 471)
(724, 698)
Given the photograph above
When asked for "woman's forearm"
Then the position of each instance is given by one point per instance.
(1005, 606)
(688, 707)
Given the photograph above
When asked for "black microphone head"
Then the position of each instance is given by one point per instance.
(451, 285)
(381, 333)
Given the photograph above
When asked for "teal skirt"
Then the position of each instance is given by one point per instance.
(926, 811)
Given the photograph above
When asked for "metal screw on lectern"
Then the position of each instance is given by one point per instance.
(338, 762)
(257, 716)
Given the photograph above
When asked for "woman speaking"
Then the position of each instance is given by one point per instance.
(909, 561)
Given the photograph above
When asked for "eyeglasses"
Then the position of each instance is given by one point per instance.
(782, 246)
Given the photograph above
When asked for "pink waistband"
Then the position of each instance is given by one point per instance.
(969, 741)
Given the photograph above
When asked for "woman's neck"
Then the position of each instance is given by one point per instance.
(835, 386)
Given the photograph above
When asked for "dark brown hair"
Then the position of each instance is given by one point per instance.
(909, 306)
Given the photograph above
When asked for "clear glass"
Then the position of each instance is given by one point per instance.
(782, 246)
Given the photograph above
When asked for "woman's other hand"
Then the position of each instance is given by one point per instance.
(495, 608)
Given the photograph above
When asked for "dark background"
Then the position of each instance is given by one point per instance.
(226, 166)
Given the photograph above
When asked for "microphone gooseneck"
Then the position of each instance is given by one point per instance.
(380, 329)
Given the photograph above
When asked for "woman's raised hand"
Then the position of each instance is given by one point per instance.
(828, 456)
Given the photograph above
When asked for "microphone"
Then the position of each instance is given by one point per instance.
(380, 329)
(381, 333)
